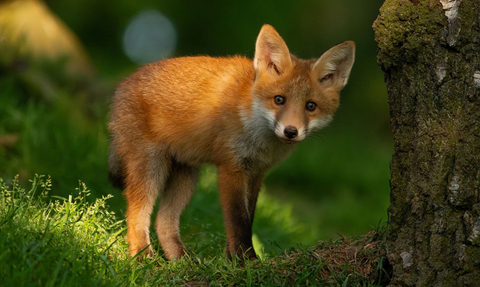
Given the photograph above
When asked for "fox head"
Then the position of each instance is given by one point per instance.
(295, 97)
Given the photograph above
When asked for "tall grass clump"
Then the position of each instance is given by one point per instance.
(57, 242)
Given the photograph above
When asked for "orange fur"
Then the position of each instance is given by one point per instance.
(172, 116)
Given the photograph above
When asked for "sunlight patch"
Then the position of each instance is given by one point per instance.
(258, 246)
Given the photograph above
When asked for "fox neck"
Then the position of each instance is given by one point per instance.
(258, 142)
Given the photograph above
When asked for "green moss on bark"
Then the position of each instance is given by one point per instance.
(403, 29)
(429, 62)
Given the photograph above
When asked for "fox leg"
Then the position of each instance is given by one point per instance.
(238, 203)
(178, 192)
(255, 185)
(144, 180)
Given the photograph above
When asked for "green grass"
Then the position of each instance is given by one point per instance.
(334, 184)
(54, 241)
(327, 186)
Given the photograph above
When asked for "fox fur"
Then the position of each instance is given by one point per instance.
(172, 116)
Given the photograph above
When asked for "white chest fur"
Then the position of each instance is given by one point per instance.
(258, 145)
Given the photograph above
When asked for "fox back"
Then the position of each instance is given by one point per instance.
(172, 116)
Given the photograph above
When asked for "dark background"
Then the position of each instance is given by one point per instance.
(336, 183)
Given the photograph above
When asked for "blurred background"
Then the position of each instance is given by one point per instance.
(61, 60)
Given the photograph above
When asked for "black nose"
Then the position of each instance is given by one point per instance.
(290, 132)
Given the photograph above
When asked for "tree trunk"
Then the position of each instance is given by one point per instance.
(430, 54)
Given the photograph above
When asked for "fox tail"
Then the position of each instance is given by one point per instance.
(115, 169)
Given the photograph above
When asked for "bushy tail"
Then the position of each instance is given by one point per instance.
(115, 169)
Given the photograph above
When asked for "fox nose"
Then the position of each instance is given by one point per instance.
(290, 132)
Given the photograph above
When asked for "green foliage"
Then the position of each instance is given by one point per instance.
(55, 241)
(54, 123)
(304, 199)
(61, 137)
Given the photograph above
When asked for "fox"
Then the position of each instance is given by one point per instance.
(172, 116)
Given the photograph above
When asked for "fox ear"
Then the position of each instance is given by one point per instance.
(271, 52)
(334, 66)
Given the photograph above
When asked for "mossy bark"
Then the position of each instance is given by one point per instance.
(430, 54)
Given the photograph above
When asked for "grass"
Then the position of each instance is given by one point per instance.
(319, 191)
(55, 241)
(53, 125)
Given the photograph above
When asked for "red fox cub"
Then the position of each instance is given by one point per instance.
(172, 116)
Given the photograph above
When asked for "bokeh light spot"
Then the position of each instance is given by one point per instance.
(149, 37)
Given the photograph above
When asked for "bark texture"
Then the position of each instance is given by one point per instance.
(430, 54)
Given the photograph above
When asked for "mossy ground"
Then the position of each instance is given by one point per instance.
(54, 241)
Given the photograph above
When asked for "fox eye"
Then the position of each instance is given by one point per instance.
(310, 106)
(279, 100)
